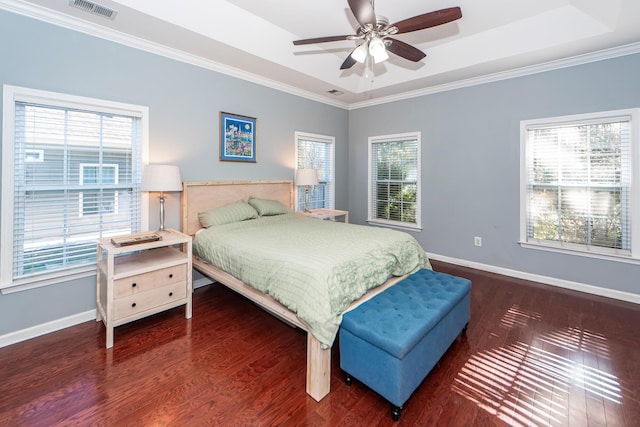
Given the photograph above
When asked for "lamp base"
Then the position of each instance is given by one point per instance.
(161, 212)
(306, 199)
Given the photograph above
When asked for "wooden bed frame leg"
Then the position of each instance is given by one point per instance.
(318, 369)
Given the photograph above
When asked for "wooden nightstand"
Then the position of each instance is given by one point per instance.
(141, 279)
(331, 214)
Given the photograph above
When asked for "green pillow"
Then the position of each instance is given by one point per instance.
(267, 207)
(235, 212)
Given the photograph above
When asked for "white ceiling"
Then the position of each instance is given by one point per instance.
(253, 39)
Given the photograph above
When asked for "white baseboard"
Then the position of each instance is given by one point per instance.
(203, 281)
(45, 328)
(65, 322)
(55, 325)
(566, 284)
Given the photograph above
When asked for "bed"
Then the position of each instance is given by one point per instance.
(244, 262)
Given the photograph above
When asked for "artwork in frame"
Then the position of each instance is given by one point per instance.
(237, 137)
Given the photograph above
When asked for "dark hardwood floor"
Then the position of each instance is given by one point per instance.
(533, 355)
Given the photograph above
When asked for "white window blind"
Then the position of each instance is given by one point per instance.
(394, 177)
(76, 178)
(578, 193)
(316, 152)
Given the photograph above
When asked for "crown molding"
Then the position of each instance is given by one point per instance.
(59, 19)
(71, 23)
(600, 55)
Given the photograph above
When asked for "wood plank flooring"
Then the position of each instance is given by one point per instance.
(533, 355)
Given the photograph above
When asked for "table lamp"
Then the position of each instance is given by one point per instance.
(161, 178)
(306, 177)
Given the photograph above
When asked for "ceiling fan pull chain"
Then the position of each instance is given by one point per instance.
(368, 68)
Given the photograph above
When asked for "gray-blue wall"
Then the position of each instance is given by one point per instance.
(471, 164)
(470, 145)
(184, 105)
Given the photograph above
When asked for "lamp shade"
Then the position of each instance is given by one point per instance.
(161, 178)
(306, 177)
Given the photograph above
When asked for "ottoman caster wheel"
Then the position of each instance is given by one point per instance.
(395, 413)
(348, 379)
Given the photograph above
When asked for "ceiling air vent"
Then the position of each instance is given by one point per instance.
(96, 9)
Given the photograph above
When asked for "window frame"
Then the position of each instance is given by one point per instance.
(417, 136)
(11, 95)
(592, 251)
(330, 140)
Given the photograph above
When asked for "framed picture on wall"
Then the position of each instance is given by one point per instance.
(237, 137)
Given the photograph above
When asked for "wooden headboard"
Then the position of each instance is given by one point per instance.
(203, 196)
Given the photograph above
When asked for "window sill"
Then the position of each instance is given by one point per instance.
(398, 225)
(38, 282)
(583, 253)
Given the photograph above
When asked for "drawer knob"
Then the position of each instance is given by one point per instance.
(171, 275)
(133, 305)
(170, 294)
(133, 285)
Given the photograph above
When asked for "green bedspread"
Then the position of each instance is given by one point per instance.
(315, 268)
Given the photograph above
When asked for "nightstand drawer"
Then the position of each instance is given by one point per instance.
(142, 301)
(148, 281)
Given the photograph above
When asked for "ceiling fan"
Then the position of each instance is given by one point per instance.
(375, 31)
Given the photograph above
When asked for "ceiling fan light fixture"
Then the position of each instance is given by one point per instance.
(360, 53)
(376, 45)
(378, 50)
(381, 57)
(374, 32)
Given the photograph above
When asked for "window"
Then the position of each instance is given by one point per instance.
(580, 183)
(98, 201)
(316, 152)
(394, 180)
(71, 174)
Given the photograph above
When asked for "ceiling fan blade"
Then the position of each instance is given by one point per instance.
(349, 62)
(428, 20)
(363, 11)
(405, 50)
(320, 40)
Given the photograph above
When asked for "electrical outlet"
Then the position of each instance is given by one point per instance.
(477, 241)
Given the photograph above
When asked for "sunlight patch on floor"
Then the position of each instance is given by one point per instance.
(517, 317)
(578, 339)
(524, 384)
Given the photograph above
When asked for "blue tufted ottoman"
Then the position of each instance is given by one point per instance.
(391, 342)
